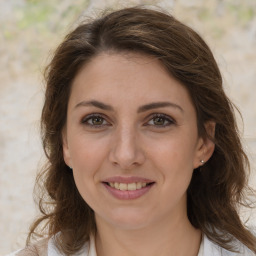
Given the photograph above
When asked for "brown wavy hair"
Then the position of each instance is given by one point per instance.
(216, 190)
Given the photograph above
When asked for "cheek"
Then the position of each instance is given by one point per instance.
(87, 153)
(176, 151)
(87, 158)
(174, 158)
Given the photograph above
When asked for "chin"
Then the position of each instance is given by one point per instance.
(129, 220)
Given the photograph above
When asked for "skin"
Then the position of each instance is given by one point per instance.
(129, 140)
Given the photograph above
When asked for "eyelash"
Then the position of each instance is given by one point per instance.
(170, 121)
(85, 120)
(165, 117)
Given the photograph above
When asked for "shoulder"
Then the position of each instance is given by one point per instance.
(47, 247)
(87, 250)
(212, 249)
(38, 249)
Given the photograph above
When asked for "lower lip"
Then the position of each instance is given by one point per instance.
(128, 194)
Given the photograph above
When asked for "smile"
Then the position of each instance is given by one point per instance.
(128, 186)
(124, 188)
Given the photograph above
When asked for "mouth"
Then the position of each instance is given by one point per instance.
(129, 186)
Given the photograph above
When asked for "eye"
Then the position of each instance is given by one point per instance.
(160, 120)
(95, 120)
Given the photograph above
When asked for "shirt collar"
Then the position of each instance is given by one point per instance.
(207, 248)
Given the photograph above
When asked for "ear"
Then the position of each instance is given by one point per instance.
(65, 148)
(205, 146)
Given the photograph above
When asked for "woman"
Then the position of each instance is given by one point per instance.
(143, 148)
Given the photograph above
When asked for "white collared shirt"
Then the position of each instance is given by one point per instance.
(207, 248)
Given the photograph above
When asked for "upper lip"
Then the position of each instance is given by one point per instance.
(131, 179)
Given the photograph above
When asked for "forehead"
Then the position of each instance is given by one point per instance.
(127, 77)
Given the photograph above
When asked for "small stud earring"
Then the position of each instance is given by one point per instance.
(202, 161)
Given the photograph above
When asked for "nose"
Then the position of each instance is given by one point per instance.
(126, 151)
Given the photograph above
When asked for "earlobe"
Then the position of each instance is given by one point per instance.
(206, 145)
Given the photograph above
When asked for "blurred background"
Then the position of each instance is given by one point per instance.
(31, 30)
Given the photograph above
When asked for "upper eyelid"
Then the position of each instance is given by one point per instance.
(148, 118)
(161, 115)
(87, 117)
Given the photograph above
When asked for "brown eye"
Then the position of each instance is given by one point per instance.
(160, 120)
(95, 120)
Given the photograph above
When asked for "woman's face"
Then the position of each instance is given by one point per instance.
(131, 139)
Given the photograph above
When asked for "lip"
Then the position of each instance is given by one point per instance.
(131, 179)
(128, 194)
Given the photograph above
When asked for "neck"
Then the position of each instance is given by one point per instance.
(175, 237)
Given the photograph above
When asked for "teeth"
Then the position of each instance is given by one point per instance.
(116, 185)
(139, 185)
(123, 186)
(129, 186)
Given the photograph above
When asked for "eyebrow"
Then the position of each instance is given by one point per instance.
(96, 104)
(141, 109)
(159, 105)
